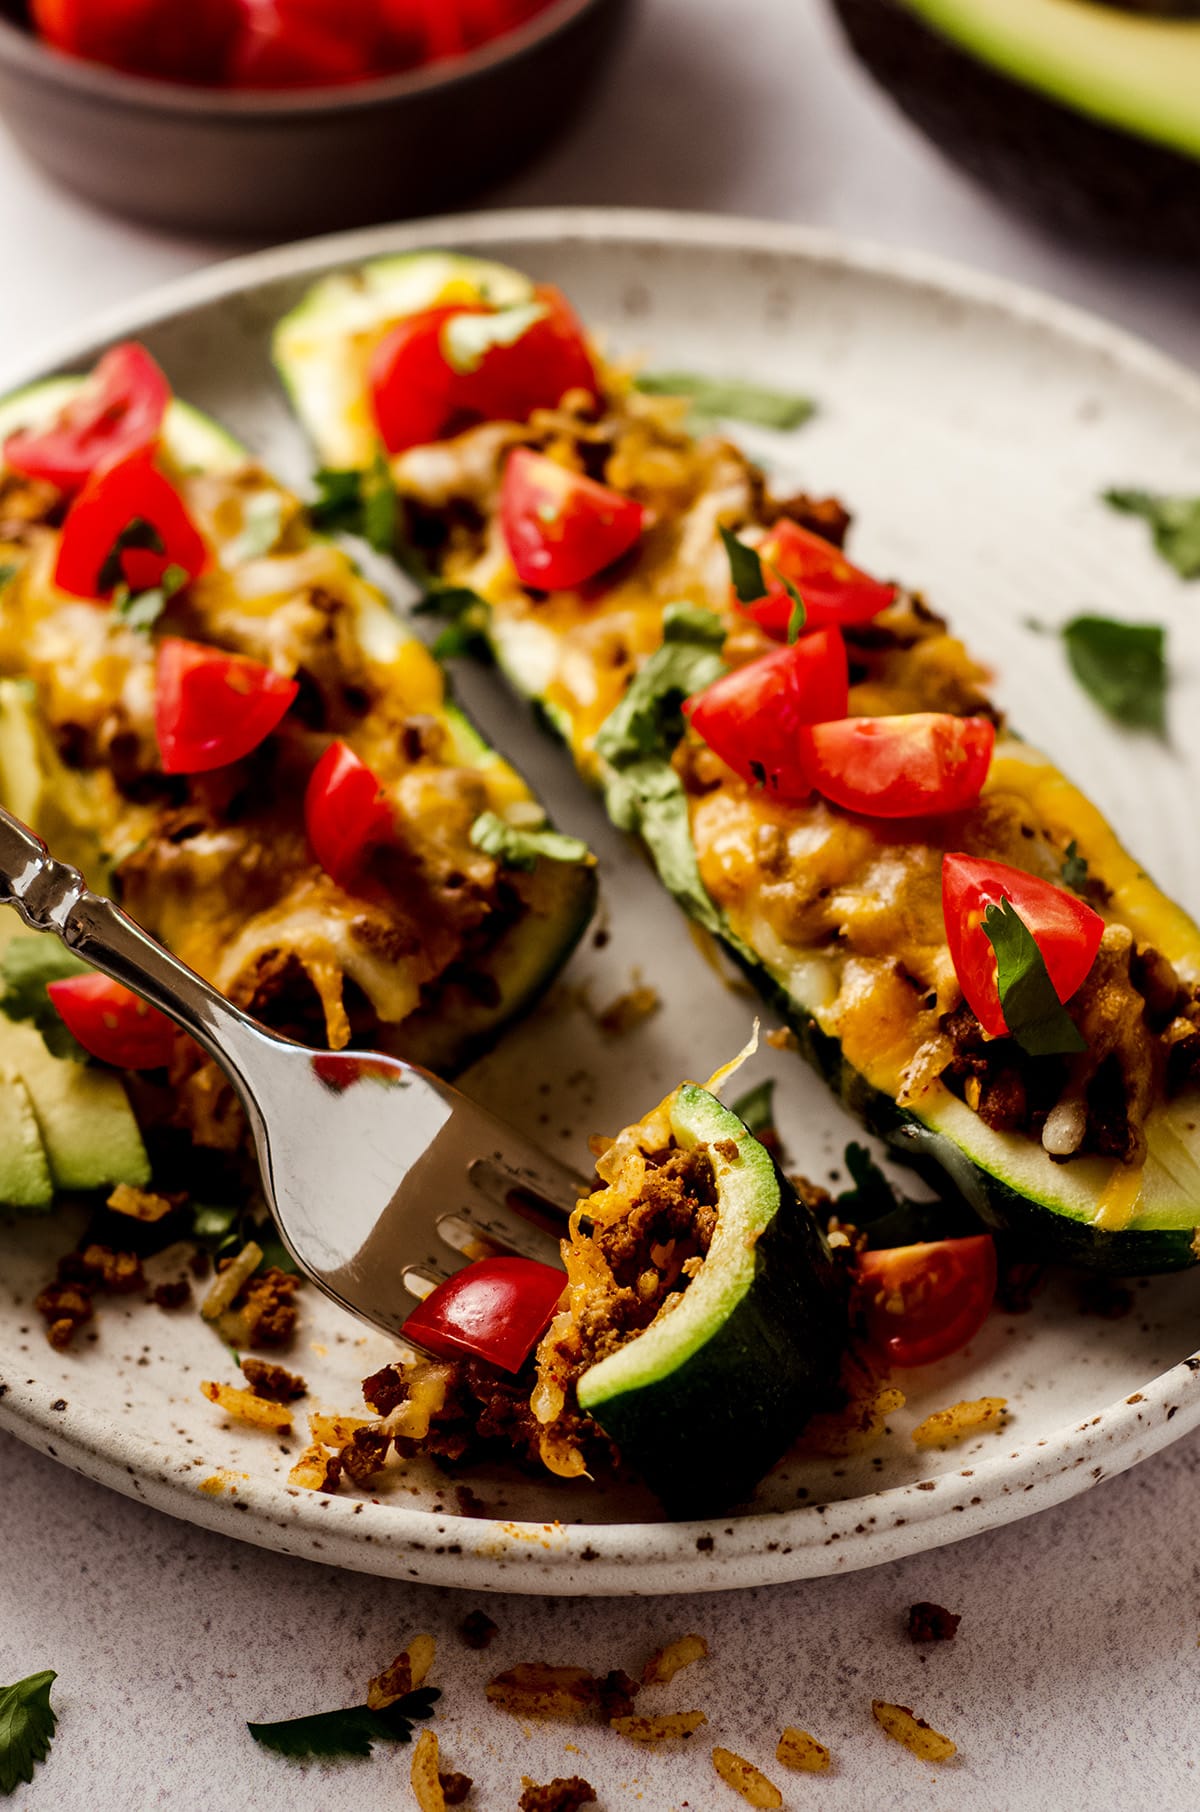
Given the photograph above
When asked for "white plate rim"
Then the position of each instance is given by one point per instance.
(623, 1558)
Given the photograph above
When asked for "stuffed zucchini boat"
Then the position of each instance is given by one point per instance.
(598, 539)
(205, 706)
(701, 1325)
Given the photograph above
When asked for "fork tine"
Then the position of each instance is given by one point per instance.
(508, 1230)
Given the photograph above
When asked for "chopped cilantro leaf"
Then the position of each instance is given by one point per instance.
(137, 534)
(525, 848)
(756, 1108)
(643, 793)
(8, 572)
(142, 609)
(27, 1724)
(745, 569)
(262, 528)
(1122, 666)
(29, 964)
(351, 502)
(716, 399)
(1174, 521)
(875, 1207)
(1033, 1012)
(467, 339)
(1074, 868)
(353, 1731)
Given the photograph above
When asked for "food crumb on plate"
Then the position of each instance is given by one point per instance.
(798, 1750)
(664, 1727)
(746, 1779)
(946, 1427)
(666, 1662)
(901, 1723)
(931, 1622)
(244, 1406)
(563, 1794)
(403, 1675)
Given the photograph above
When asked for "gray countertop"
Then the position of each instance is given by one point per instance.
(1075, 1671)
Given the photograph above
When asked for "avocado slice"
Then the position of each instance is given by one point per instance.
(1085, 113)
(712, 1394)
(25, 1180)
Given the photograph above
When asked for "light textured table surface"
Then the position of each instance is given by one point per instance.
(1075, 1676)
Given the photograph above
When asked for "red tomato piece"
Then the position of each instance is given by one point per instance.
(752, 717)
(113, 1024)
(174, 41)
(345, 813)
(496, 1309)
(834, 592)
(305, 44)
(562, 528)
(912, 766)
(118, 410)
(924, 1302)
(1064, 928)
(417, 396)
(211, 708)
(120, 494)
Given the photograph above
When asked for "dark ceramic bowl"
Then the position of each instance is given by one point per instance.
(272, 165)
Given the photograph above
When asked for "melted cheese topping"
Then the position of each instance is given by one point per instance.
(218, 865)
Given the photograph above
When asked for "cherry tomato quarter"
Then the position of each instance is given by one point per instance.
(496, 1309)
(112, 1023)
(118, 410)
(922, 1303)
(127, 525)
(1065, 929)
(752, 717)
(834, 592)
(912, 766)
(345, 813)
(562, 528)
(212, 708)
(418, 394)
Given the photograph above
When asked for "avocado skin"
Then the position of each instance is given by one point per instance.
(1080, 177)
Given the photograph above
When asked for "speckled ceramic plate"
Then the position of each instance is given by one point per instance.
(971, 426)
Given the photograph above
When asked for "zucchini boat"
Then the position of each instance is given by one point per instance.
(702, 1325)
(837, 916)
(427, 950)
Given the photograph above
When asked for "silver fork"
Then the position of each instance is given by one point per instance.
(378, 1175)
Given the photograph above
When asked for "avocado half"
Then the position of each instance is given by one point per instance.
(1084, 112)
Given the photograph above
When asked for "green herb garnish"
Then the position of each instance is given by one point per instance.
(467, 339)
(1074, 868)
(29, 965)
(642, 791)
(746, 571)
(525, 848)
(262, 528)
(141, 609)
(1033, 1013)
(1174, 521)
(139, 535)
(756, 1108)
(1122, 666)
(8, 572)
(27, 1724)
(354, 1731)
(716, 399)
(351, 502)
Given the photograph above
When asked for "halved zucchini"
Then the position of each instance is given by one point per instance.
(271, 593)
(576, 659)
(705, 1400)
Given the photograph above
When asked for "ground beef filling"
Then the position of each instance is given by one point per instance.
(649, 1256)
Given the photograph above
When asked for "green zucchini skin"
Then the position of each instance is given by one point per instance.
(1044, 1230)
(705, 1432)
(527, 957)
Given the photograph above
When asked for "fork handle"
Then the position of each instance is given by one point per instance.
(52, 896)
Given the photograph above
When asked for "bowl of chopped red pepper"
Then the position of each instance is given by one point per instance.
(276, 117)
